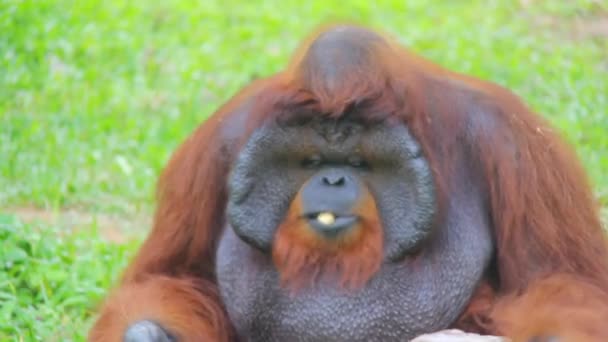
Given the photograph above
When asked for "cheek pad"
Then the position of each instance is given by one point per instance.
(404, 190)
(407, 207)
(256, 216)
(260, 189)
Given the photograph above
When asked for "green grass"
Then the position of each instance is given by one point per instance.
(48, 280)
(95, 95)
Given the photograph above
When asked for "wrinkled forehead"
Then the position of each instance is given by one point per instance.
(329, 131)
(334, 136)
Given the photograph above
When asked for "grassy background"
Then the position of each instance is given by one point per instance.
(95, 95)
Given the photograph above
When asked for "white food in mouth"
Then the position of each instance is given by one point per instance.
(326, 218)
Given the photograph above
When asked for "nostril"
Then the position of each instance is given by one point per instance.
(334, 180)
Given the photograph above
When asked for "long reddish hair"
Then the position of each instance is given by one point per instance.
(548, 236)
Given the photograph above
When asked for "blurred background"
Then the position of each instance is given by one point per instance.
(95, 95)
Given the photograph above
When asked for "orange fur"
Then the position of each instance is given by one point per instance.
(475, 317)
(302, 256)
(550, 275)
(560, 305)
(190, 308)
(188, 220)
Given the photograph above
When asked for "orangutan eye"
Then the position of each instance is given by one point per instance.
(357, 162)
(313, 161)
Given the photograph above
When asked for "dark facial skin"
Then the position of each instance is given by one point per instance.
(332, 190)
(278, 160)
(406, 297)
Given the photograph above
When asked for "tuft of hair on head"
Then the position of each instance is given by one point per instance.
(342, 69)
(345, 65)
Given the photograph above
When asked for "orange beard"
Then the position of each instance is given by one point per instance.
(303, 257)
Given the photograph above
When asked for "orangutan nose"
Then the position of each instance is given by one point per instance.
(328, 201)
